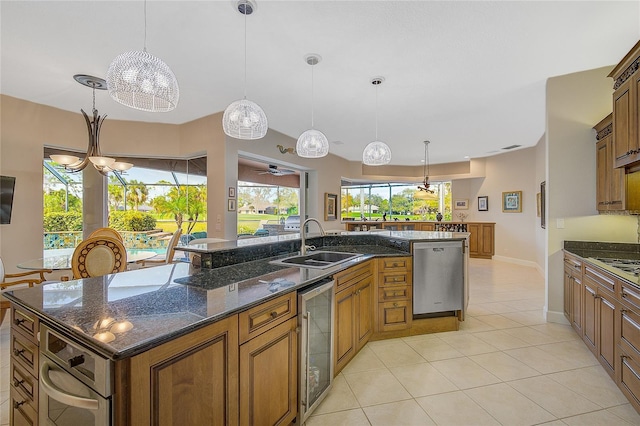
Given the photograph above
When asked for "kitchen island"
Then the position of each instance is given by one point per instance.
(189, 337)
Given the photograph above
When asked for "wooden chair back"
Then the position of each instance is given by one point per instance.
(107, 232)
(98, 256)
(16, 281)
(171, 247)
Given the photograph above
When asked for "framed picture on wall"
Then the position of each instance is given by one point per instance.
(461, 204)
(483, 203)
(232, 192)
(231, 205)
(330, 206)
(543, 213)
(512, 202)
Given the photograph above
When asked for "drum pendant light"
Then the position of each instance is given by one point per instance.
(244, 119)
(312, 143)
(142, 81)
(376, 153)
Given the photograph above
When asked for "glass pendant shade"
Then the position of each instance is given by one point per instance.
(65, 160)
(312, 144)
(102, 161)
(245, 119)
(121, 166)
(376, 153)
(142, 81)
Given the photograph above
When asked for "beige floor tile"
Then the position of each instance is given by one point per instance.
(378, 387)
(593, 383)
(574, 352)
(554, 397)
(4, 413)
(400, 413)
(525, 305)
(531, 336)
(540, 360)
(527, 317)
(422, 380)
(509, 406)
(501, 339)
(435, 350)
(474, 324)
(475, 310)
(365, 360)
(504, 366)
(554, 423)
(398, 353)
(455, 408)
(340, 398)
(497, 307)
(498, 321)
(627, 413)
(341, 418)
(464, 373)
(560, 332)
(469, 345)
(596, 418)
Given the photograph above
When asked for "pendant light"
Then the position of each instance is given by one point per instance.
(142, 81)
(425, 184)
(312, 143)
(376, 153)
(244, 119)
(102, 164)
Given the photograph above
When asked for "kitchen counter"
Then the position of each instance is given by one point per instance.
(165, 302)
(590, 251)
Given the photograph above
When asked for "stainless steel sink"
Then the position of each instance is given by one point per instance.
(316, 260)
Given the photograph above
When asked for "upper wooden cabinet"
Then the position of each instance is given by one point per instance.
(626, 123)
(610, 181)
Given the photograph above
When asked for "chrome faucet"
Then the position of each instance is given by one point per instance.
(303, 234)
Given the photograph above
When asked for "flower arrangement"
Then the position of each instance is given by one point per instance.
(462, 216)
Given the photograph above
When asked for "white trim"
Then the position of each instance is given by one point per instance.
(521, 262)
(556, 317)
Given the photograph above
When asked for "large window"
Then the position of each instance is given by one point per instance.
(377, 201)
(264, 209)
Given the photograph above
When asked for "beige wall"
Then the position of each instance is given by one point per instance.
(575, 103)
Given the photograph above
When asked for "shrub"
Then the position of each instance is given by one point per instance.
(131, 220)
(62, 221)
(244, 229)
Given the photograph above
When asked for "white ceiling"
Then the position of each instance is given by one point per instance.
(468, 76)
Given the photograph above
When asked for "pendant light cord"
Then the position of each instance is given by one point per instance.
(145, 27)
(377, 111)
(312, 66)
(245, 50)
(93, 86)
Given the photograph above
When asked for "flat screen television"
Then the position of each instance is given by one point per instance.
(7, 186)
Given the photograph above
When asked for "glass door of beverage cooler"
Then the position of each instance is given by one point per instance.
(316, 346)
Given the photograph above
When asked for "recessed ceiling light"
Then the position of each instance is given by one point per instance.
(466, 157)
(338, 143)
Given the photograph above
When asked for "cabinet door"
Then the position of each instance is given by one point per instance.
(602, 174)
(269, 377)
(568, 292)
(623, 120)
(190, 380)
(344, 343)
(576, 304)
(486, 240)
(474, 241)
(607, 311)
(589, 304)
(364, 311)
(617, 181)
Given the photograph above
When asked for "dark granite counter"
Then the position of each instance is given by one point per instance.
(165, 302)
(589, 251)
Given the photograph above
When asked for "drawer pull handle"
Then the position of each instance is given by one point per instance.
(273, 314)
(624, 295)
(395, 304)
(17, 404)
(17, 382)
(19, 321)
(18, 352)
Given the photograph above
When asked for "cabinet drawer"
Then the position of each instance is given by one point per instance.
(630, 379)
(394, 263)
(352, 275)
(263, 317)
(630, 331)
(394, 278)
(393, 293)
(27, 323)
(21, 412)
(25, 352)
(604, 279)
(394, 315)
(630, 296)
(25, 384)
(573, 262)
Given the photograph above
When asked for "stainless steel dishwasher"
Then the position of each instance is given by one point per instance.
(438, 277)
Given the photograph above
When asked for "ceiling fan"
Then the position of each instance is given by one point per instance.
(275, 171)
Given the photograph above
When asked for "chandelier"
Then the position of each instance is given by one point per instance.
(312, 143)
(102, 164)
(376, 153)
(142, 81)
(425, 184)
(244, 119)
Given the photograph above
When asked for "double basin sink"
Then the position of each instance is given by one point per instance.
(316, 260)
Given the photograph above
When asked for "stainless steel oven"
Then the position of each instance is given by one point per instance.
(75, 383)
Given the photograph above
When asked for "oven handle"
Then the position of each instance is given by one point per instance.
(54, 392)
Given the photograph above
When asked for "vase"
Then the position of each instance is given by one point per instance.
(439, 217)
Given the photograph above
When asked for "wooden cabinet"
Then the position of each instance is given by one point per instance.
(626, 132)
(610, 181)
(481, 240)
(269, 363)
(192, 379)
(629, 359)
(23, 367)
(353, 312)
(573, 291)
(394, 294)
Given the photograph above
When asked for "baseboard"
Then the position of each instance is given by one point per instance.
(515, 261)
(556, 317)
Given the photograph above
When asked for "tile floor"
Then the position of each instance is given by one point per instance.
(506, 366)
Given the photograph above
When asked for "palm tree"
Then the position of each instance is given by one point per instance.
(138, 193)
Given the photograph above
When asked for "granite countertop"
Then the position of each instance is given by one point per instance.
(169, 301)
(590, 251)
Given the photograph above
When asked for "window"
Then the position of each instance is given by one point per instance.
(264, 209)
(376, 201)
(63, 209)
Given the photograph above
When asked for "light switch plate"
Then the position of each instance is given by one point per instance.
(560, 223)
